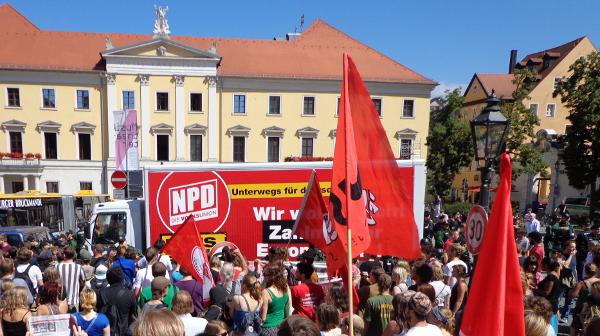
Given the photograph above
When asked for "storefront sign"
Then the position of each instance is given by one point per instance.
(20, 203)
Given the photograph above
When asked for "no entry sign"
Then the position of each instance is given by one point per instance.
(476, 223)
(118, 179)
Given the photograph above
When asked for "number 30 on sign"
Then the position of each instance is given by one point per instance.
(476, 223)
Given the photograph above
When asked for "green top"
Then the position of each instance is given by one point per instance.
(146, 295)
(277, 310)
(378, 313)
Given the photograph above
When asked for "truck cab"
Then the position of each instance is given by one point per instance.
(112, 221)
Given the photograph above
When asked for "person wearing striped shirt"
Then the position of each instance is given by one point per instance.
(72, 278)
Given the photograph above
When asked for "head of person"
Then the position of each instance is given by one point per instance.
(183, 303)
(160, 287)
(459, 271)
(24, 256)
(399, 275)
(70, 253)
(400, 306)
(151, 253)
(384, 283)
(215, 328)
(564, 218)
(530, 264)
(336, 295)
(535, 237)
(215, 262)
(447, 322)
(438, 274)
(51, 275)
(98, 250)
(308, 256)
(2, 239)
(49, 293)
(539, 306)
(277, 254)
(69, 235)
(159, 244)
(521, 233)
(535, 325)
(15, 298)
(428, 290)
(296, 325)
(6, 285)
(158, 322)
(226, 272)
(328, 317)
(357, 323)
(304, 271)
(590, 270)
(375, 274)
(418, 307)
(421, 272)
(115, 276)
(159, 270)
(550, 264)
(130, 253)
(251, 285)
(274, 277)
(121, 250)
(87, 300)
(595, 229)
(7, 267)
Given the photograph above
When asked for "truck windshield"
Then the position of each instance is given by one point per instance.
(109, 227)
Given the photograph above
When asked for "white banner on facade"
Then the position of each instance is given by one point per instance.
(126, 143)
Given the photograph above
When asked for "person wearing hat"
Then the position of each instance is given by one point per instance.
(71, 240)
(99, 281)
(86, 259)
(160, 286)
(419, 306)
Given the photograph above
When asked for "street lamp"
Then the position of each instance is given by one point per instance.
(488, 130)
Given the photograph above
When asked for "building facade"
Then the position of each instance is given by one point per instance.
(196, 99)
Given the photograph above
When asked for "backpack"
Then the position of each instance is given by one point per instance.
(251, 323)
(25, 277)
(126, 281)
(118, 326)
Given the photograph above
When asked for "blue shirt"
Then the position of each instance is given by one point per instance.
(93, 329)
(128, 267)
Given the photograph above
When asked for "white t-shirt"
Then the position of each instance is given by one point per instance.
(144, 277)
(447, 269)
(35, 273)
(193, 325)
(428, 330)
(165, 259)
(442, 291)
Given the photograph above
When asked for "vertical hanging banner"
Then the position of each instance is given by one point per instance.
(126, 143)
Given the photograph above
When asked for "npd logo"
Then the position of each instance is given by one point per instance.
(197, 199)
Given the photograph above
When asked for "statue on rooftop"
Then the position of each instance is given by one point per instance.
(161, 26)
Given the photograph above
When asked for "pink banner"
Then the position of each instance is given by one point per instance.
(126, 143)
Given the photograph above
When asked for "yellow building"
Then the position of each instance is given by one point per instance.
(196, 98)
(551, 66)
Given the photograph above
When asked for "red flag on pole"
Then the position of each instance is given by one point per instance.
(346, 200)
(495, 303)
(186, 247)
(387, 190)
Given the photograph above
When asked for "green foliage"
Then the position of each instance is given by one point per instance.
(463, 207)
(528, 157)
(449, 143)
(581, 95)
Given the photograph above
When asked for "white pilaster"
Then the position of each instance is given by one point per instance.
(1, 184)
(213, 131)
(111, 100)
(145, 114)
(37, 182)
(25, 183)
(179, 118)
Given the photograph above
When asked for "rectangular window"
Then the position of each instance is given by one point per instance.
(14, 97)
(196, 102)
(377, 103)
(85, 146)
(16, 142)
(239, 149)
(128, 100)
(550, 109)
(405, 149)
(307, 147)
(162, 147)
(309, 106)
(52, 187)
(83, 99)
(48, 98)
(274, 105)
(17, 187)
(239, 104)
(557, 81)
(408, 110)
(50, 144)
(85, 185)
(534, 109)
(162, 101)
(195, 147)
(273, 149)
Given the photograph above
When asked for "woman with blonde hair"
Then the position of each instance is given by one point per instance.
(15, 312)
(245, 308)
(183, 306)
(93, 323)
(399, 276)
(158, 322)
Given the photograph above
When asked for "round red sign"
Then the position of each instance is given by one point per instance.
(203, 195)
(118, 179)
(475, 229)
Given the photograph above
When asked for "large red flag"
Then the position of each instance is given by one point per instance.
(186, 247)
(495, 303)
(346, 200)
(387, 189)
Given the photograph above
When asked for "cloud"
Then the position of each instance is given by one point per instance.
(443, 86)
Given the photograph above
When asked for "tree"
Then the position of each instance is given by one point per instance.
(520, 143)
(580, 93)
(449, 142)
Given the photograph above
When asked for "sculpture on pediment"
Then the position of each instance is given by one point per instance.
(161, 26)
(161, 51)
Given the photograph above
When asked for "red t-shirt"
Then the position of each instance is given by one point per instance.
(538, 251)
(305, 298)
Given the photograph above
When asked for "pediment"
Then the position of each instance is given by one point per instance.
(160, 48)
(161, 128)
(407, 132)
(83, 127)
(273, 131)
(48, 125)
(14, 125)
(307, 131)
(238, 130)
(195, 129)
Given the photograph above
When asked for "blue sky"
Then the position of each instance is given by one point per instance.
(444, 40)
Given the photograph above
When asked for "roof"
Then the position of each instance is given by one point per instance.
(502, 83)
(555, 54)
(315, 54)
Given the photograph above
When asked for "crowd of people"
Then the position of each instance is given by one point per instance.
(115, 291)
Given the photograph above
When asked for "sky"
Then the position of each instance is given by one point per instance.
(444, 40)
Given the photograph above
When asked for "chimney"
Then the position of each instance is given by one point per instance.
(513, 61)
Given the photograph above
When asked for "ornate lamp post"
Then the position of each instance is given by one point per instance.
(489, 131)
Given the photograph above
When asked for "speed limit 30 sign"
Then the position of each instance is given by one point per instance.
(476, 223)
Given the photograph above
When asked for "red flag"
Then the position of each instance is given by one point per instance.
(495, 303)
(186, 247)
(346, 200)
(388, 191)
(314, 226)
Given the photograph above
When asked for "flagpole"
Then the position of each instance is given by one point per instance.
(350, 284)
